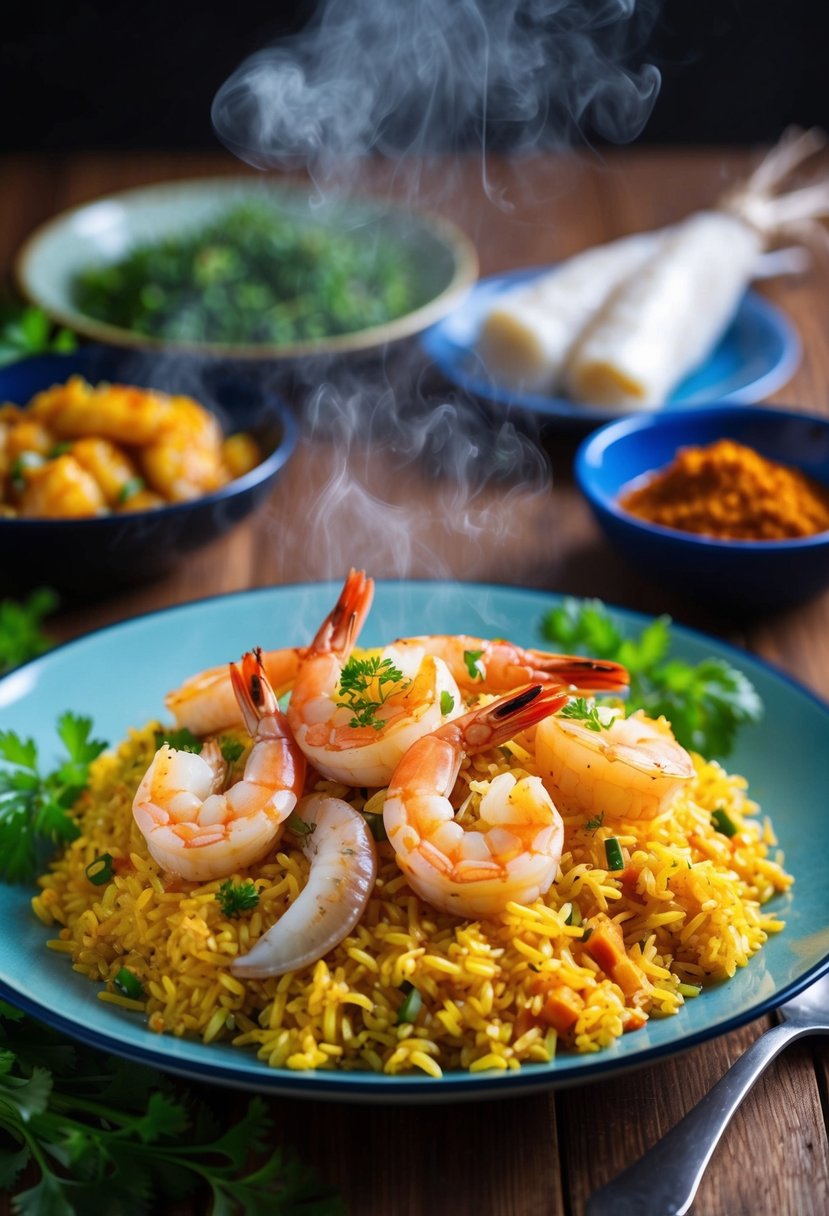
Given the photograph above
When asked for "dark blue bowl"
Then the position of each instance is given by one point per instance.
(94, 556)
(747, 576)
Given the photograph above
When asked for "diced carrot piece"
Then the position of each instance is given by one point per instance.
(561, 1009)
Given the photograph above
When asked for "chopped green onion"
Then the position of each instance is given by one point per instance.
(129, 984)
(588, 933)
(131, 487)
(376, 825)
(721, 821)
(60, 449)
(447, 702)
(411, 1006)
(472, 659)
(294, 823)
(689, 989)
(25, 461)
(613, 853)
(100, 870)
(575, 917)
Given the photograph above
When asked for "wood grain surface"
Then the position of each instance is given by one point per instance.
(396, 473)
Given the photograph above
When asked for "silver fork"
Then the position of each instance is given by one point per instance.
(664, 1181)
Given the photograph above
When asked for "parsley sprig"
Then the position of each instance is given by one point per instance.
(28, 331)
(236, 898)
(366, 685)
(706, 703)
(35, 810)
(21, 628)
(581, 710)
(106, 1136)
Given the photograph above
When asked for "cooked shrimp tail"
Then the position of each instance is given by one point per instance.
(498, 665)
(197, 828)
(513, 852)
(206, 702)
(343, 869)
(341, 628)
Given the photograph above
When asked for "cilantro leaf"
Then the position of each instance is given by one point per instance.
(580, 710)
(706, 703)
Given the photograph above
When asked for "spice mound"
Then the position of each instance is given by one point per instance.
(730, 491)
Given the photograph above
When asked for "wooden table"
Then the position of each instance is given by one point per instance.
(385, 497)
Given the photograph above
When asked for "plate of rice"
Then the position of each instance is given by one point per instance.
(719, 904)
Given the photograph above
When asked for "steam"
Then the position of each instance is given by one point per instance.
(402, 467)
(418, 76)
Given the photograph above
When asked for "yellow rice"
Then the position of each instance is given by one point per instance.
(693, 918)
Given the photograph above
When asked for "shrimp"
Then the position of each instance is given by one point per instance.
(196, 828)
(341, 879)
(358, 734)
(514, 852)
(630, 769)
(119, 412)
(484, 665)
(206, 704)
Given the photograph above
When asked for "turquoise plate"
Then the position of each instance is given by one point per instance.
(119, 676)
(757, 354)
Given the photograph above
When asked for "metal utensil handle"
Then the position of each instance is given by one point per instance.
(664, 1181)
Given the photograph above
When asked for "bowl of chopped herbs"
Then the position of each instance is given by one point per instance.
(246, 268)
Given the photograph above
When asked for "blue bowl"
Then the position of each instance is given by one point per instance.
(742, 575)
(90, 557)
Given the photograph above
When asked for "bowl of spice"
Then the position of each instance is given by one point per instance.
(727, 504)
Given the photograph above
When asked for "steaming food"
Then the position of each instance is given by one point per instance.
(620, 326)
(538, 873)
(255, 275)
(80, 449)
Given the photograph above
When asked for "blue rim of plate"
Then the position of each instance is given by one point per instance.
(224, 623)
(757, 355)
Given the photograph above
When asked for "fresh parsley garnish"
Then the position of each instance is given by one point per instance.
(35, 810)
(230, 748)
(28, 331)
(366, 685)
(21, 633)
(131, 487)
(299, 826)
(595, 823)
(582, 711)
(236, 898)
(104, 1135)
(706, 702)
(447, 703)
(182, 740)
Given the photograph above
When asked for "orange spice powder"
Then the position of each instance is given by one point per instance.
(730, 491)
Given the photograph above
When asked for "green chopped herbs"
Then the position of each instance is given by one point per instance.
(722, 822)
(131, 487)
(474, 665)
(613, 853)
(230, 748)
(21, 628)
(236, 898)
(582, 711)
(36, 810)
(689, 990)
(182, 740)
(100, 871)
(574, 916)
(255, 275)
(595, 823)
(706, 702)
(86, 1133)
(128, 984)
(28, 331)
(447, 703)
(412, 1004)
(299, 826)
(366, 685)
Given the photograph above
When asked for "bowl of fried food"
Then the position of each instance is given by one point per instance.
(727, 504)
(113, 468)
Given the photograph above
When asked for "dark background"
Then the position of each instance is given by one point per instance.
(111, 75)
